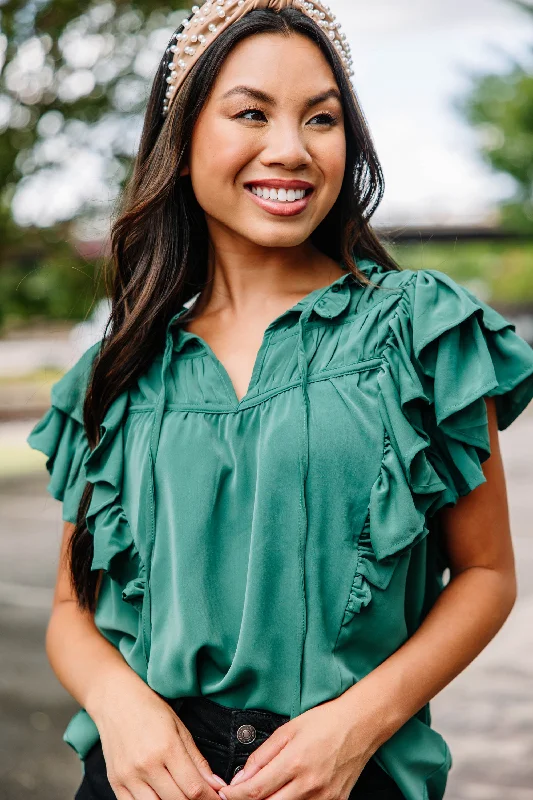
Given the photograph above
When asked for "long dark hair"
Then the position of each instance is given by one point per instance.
(159, 238)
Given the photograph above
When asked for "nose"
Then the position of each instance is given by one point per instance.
(285, 145)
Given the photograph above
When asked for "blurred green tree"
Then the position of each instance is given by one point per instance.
(500, 107)
(74, 80)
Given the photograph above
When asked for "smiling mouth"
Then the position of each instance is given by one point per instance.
(282, 196)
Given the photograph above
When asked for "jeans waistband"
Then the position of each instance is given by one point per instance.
(237, 728)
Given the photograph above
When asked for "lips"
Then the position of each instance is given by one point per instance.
(278, 208)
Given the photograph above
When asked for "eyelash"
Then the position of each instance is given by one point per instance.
(332, 119)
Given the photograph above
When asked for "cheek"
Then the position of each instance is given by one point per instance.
(333, 160)
(218, 154)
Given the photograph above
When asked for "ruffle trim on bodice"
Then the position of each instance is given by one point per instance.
(445, 351)
(115, 550)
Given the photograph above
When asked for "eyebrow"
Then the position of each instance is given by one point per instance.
(263, 97)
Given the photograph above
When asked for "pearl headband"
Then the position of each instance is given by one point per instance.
(208, 21)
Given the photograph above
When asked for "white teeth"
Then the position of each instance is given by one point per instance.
(281, 195)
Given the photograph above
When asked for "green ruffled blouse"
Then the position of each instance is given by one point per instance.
(273, 551)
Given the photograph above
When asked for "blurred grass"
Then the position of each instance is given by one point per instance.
(17, 458)
(44, 378)
(497, 271)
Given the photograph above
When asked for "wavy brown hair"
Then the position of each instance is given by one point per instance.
(159, 236)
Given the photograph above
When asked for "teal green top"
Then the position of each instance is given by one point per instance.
(271, 552)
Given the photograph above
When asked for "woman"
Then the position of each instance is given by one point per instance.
(270, 460)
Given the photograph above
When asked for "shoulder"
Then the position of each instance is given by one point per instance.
(433, 300)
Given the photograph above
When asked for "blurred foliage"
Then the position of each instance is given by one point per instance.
(42, 276)
(500, 107)
(73, 86)
(497, 271)
(74, 80)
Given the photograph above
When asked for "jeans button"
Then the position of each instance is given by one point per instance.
(246, 734)
(238, 768)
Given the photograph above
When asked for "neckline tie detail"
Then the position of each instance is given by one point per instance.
(328, 302)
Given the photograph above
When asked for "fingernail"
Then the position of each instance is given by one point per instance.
(219, 779)
(236, 778)
(223, 796)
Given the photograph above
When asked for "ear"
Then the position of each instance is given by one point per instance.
(184, 170)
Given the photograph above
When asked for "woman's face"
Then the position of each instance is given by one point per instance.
(292, 130)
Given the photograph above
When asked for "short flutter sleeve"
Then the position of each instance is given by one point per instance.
(445, 351)
(464, 350)
(60, 435)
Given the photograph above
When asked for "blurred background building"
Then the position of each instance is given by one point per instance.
(447, 89)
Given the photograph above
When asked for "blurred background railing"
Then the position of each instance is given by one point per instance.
(447, 88)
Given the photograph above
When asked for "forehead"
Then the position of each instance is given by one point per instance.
(281, 65)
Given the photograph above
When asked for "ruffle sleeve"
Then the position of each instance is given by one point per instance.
(465, 350)
(60, 435)
(71, 463)
(445, 351)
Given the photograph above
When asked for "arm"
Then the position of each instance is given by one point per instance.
(467, 615)
(83, 660)
(143, 741)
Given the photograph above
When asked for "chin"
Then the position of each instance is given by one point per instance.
(274, 239)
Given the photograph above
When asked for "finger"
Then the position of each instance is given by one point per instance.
(198, 759)
(138, 790)
(187, 777)
(122, 793)
(290, 791)
(262, 756)
(164, 785)
(268, 778)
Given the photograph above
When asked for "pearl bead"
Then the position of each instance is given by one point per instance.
(195, 9)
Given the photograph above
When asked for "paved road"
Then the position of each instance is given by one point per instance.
(486, 714)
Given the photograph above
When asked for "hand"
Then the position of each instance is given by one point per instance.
(318, 754)
(149, 752)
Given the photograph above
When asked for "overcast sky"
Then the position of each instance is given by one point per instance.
(411, 58)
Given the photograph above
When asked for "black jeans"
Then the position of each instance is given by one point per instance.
(226, 737)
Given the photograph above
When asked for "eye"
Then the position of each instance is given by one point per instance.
(249, 111)
(329, 118)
